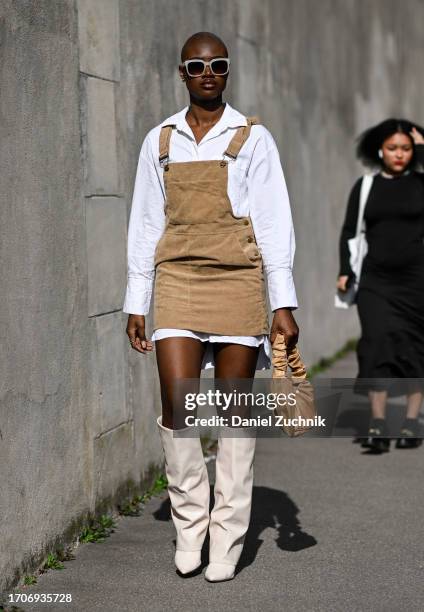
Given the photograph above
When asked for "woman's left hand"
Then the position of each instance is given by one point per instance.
(285, 324)
(417, 137)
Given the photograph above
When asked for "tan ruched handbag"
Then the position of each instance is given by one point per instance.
(297, 388)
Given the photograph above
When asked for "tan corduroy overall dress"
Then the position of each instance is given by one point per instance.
(209, 271)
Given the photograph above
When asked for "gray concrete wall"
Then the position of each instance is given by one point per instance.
(70, 441)
(46, 418)
(83, 82)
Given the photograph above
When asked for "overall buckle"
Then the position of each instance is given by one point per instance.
(163, 162)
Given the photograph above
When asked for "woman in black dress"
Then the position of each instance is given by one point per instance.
(390, 295)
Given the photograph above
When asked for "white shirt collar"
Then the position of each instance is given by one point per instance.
(230, 118)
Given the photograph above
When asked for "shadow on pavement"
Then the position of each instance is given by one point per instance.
(274, 508)
(270, 508)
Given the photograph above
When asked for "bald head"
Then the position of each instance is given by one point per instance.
(199, 39)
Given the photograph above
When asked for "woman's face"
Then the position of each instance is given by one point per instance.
(397, 152)
(207, 86)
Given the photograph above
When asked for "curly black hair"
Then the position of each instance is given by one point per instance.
(370, 141)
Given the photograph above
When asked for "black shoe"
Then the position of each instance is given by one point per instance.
(378, 445)
(408, 439)
(376, 441)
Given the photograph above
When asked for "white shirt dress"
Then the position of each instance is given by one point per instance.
(256, 188)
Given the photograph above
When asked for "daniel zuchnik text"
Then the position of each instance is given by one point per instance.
(259, 421)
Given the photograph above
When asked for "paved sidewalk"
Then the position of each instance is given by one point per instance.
(333, 529)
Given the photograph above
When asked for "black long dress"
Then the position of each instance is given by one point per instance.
(390, 296)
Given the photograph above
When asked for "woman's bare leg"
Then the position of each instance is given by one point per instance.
(177, 358)
(378, 401)
(414, 404)
(235, 361)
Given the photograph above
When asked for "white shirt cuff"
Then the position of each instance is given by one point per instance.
(281, 289)
(137, 297)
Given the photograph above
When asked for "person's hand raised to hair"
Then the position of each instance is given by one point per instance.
(417, 137)
(284, 323)
(136, 332)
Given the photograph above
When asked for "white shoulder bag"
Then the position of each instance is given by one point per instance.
(358, 248)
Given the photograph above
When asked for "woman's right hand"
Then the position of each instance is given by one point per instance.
(136, 332)
(417, 137)
(342, 282)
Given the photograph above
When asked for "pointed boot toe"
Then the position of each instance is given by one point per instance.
(187, 561)
(218, 572)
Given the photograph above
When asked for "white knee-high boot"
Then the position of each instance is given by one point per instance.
(230, 516)
(188, 489)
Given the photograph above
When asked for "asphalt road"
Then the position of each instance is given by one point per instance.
(333, 529)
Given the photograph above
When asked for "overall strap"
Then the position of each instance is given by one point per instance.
(164, 139)
(240, 137)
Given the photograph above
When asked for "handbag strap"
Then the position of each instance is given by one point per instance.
(366, 184)
(281, 359)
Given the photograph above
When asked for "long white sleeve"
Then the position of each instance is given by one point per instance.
(272, 221)
(146, 226)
